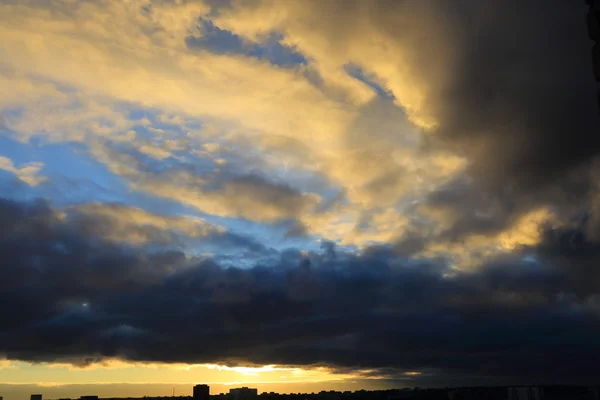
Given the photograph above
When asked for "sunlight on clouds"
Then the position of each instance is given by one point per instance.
(86, 78)
(143, 59)
(136, 66)
(111, 371)
(235, 199)
(389, 56)
(7, 364)
(380, 227)
(44, 108)
(249, 198)
(28, 173)
(154, 151)
(20, 90)
(474, 249)
(254, 371)
(527, 230)
(137, 226)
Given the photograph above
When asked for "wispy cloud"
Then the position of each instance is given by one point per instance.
(28, 173)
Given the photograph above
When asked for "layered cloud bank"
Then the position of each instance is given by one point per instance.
(382, 186)
(73, 297)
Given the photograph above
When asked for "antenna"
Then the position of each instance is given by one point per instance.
(173, 391)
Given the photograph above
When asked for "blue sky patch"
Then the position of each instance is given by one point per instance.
(222, 41)
(358, 73)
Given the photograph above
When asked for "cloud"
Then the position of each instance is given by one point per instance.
(34, 107)
(125, 225)
(379, 154)
(515, 109)
(291, 121)
(446, 163)
(28, 173)
(370, 311)
(143, 59)
(367, 35)
(250, 196)
(122, 223)
(154, 151)
(518, 106)
(7, 364)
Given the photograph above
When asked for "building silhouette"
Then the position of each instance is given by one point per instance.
(201, 392)
(526, 393)
(36, 397)
(243, 393)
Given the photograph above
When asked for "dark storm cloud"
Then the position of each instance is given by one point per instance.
(477, 209)
(511, 87)
(516, 97)
(66, 295)
(575, 251)
(521, 101)
(520, 104)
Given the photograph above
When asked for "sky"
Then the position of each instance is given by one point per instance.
(296, 195)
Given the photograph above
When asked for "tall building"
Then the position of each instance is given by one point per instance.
(201, 392)
(243, 393)
(36, 397)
